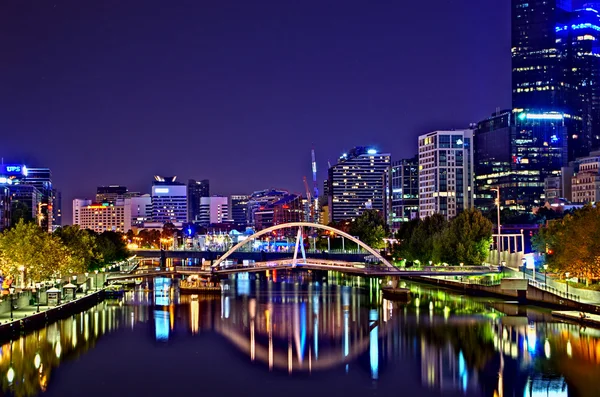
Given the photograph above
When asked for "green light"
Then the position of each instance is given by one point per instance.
(522, 116)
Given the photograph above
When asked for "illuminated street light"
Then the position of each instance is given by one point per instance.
(546, 274)
(567, 274)
(37, 287)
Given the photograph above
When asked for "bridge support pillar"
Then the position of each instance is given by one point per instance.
(395, 281)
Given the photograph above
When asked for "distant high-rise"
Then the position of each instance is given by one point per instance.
(358, 182)
(57, 208)
(78, 204)
(196, 190)
(445, 173)
(169, 200)
(101, 217)
(41, 178)
(213, 210)
(405, 191)
(110, 194)
(141, 209)
(239, 209)
(555, 66)
(4, 207)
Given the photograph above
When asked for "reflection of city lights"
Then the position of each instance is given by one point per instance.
(569, 349)
(547, 349)
(37, 360)
(58, 349)
(10, 375)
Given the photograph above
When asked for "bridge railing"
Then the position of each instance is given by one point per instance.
(555, 291)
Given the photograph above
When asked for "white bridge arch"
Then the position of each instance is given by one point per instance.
(301, 225)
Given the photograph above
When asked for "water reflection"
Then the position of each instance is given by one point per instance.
(305, 326)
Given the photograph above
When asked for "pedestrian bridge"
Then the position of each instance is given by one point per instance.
(359, 269)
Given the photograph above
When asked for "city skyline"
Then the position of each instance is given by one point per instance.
(309, 81)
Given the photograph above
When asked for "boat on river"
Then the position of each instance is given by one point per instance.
(396, 294)
(199, 285)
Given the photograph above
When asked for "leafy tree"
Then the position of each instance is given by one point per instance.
(111, 247)
(82, 246)
(42, 255)
(421, 244)
(370, 228)
(572, 244)
(466, 240)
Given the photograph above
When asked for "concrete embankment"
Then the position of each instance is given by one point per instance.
(533, 295)
(47, 315)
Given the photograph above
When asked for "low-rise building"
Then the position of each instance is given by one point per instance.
(585, 184)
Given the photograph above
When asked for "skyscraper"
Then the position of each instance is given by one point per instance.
(213, 210)
(555, 66)
(405, 191)
(358, 182)
(445, 173)
(196, 190)
(169, 200)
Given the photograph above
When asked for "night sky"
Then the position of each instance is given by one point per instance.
(113, 91)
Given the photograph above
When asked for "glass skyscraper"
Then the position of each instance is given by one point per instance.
(555, 61)
(405, 191)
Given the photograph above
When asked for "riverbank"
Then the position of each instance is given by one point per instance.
(28, 318)
(533, 295)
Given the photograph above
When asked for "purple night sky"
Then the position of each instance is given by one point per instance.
(113, 91)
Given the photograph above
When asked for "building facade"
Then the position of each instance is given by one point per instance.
(78, 204)
(101, 217)
(404, 191)
(41, 178)
(169, 200)
(196, 190)
(446, 175)
(110, 194)
(239, 209)
(555, 66)
(359, 181)
(288, 208)
(213, 210)
(141, 209)
(585, 184)
(517, 151)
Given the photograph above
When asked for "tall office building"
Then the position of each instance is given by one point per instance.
(213, 210)
(196, 190)
(110, 194)
(239, 209)
(555, 66)
(169, 200)
(41, 178)
(4, 207)
(516, 151)
(358, 181)
(404, 191)
(25, 203)
(446, 183)
(286, 209)
(57, 208)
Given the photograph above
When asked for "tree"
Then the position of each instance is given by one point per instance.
(81, 244)
(41, 255)
(20, 211)
(466, 240)
(572, 244)
(421, 245)
(370, 228)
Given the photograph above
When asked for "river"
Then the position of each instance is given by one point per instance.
(304, 335)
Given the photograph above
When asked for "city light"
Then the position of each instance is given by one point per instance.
(541, 116)
(372, 151)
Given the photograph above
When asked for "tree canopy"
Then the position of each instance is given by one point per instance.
(572, 244)
(371, 228)
(465, 239)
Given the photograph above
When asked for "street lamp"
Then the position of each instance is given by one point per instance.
(12, 291)
(96, 284)
(546, 274)
(37, 288)
(499, 243)
(567, 274)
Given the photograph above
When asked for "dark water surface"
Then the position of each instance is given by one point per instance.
(300, 338)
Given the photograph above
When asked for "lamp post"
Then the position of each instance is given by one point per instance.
(567, 274)
(86, 274)
(12, 291)
(499, 243)
(546, 274)
(37, 288)
(96, 284)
